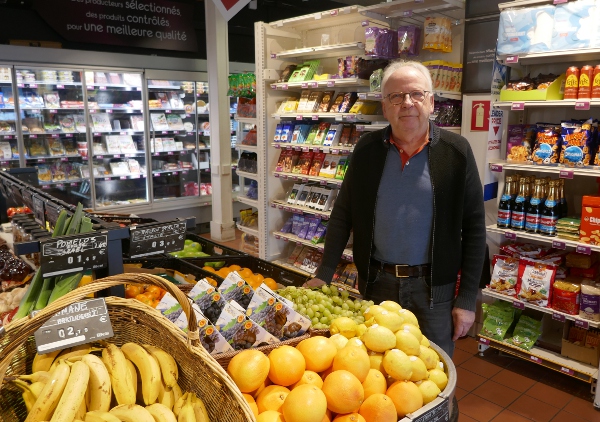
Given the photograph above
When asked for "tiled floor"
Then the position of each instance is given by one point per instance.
(504, 389)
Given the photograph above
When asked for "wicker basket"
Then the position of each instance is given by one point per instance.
(136, 322)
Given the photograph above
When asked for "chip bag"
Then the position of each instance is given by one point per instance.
(566, 296)
(536, 280)
(577, 143)
(547, 148)
(505, 275)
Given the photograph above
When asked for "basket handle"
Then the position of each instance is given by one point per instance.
(18, 331)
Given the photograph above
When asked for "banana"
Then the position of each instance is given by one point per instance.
(132, 413)
(82, 409)
(73, 395)
(133, 373)
(28, 397)
(177, 393)
(168, 366)
(44, 362)
(180, 403)
(36, 388)
(149, 370)
(187, 411)
(99, 416)
(39, 376)
(99, 386)
(120, 377)
(161, 413)
(200, 409)
(165, 396)
(50, 394)
(74, 352)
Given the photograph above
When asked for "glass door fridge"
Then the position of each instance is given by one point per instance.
(116, 149)
(9, 150)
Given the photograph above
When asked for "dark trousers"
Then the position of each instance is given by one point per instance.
(413, 294)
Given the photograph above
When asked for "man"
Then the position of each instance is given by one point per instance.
(413, 199)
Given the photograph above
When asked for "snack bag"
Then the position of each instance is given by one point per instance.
(498, 319)
(565, 297)
(519, 144)
(526, 332)
(525, 30)
(577, 143)
(547, 149)
(536, 280)
(505, 275)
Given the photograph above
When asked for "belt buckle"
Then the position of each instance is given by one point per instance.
(401, 276)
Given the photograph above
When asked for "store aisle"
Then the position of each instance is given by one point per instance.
(499, 388)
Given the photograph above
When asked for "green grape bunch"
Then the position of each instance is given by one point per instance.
(325, 304)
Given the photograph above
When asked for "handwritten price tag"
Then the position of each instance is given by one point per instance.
(517, 106)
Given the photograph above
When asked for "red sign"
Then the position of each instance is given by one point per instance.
(229, 8)
(480, 116)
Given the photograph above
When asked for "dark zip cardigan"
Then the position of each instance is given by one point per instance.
(458, 238)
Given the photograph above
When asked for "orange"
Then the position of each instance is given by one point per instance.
(251, 403)
(270, 416)
(375, 383)
(287, 366)
(326, 372)
(145, 299)
(271, 398)
(344, 392)
(235, 267)
(306, 403)
(248, 369)
(406, 397)
(222, 272)
(153, 291)
(132, 291)
(271, 284)
(259, 277)
(210, 269)
(378, 408)
(259, 390)
(211, 281)
(350, 417)
(245, 272)
(318, 352)
(353, 359)
(309, 377)
(328, 416)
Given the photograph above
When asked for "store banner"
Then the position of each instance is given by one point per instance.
(156, 24)
(230, 8)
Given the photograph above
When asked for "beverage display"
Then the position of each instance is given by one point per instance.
(551, 210)
(534, 210)
(518, 213)
(506, 203)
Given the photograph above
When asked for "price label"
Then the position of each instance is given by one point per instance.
(407, 13)
(323, 182)
(484, 341)
(560, 1)
(20, 86)
(325, 217)
(313, 84)
(123, 177)
(518, 304)
(64, 159)
(335, 151)
(535, 359)
(273, 206)
(304, 85)
(176, 132)
(299, 117)
(54, 136)
(512, 59)
(60, 87)
(379, 96)
(90, 87)
(517, 106)
(496, 168)
(285, 176)
(285, 239)
(73, 184)
(558, 244)
(167, 111)
(27, 198)
(277, 146)
(510, 235)
(345, 151)
(41, 160)
(273, 55)
(567, 370)
(419, 1)
(582, 324)
(558, 317)
(33, 136)
(284, 86)
(168, 153)
(286, 208)
(584, 249)
(92, 111)
(79, 323)
(316, 149)
(276, 174)
(362, 96)
(330, 84)
(304, 179)
(277, 236)
(360, 128)
(45, 186)
(315, 117)
(52, 111)
(304, 149)
(117, 156)
(333, 12)
(33, 86)
(297, 149)
(364, 23)
(52, 213)
(566, 174)
(69, 135)
(8, 137)
(440, 412)
(102, 88)
(288, 147)
(582, 105)
(154, 239)
(72, 254)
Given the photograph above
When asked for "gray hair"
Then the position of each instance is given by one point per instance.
(396, 65)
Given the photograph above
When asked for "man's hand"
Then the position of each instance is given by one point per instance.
(315, 282)
(463, 320)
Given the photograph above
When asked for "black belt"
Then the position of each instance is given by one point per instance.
(403, 270)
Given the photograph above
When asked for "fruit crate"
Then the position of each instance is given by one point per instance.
(183, 266)
(212, 248)
(281, 275)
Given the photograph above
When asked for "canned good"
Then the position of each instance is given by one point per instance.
(596, 82)
(586, 75)
(572, 83)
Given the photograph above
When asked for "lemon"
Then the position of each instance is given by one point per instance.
(419, 370)
(339, 341)
(356, 342)
(409, 317)
(379, 338)
(429, 391)
(376, 360)
(429, 357)
(390, 320)
(397, 365)
(390, 305)
(373, 310)
(407, 342)
(344, 326)
(439, 377)
(360, 330)
(425, 342)
(414, 330)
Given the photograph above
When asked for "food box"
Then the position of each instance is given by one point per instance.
(589, 231)
(210, 337)
(159, 121)
(234, 287)
(555, 91)
(101, 122)
(208, 300)
(589, 355)
(170, 307)
(240, 332)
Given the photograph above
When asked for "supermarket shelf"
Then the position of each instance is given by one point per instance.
(305, 178)
(249, 120)
(372, 127)
(51, 108)
(523, 3)
(510, 234)
(166, 172)
(336, 17)
(325, 83)
(340, 117)
(100, 86)
(315, 148)
(6, 108)
(117, 109)
(119, 155)
(565, 56)
(252, 176)
(283, 205)
(177, 152)
(81, 195)
(28, 84)
(407, 8)
(545, 358)
(293, 268)
(72, 182)
(40, 158)
(164, 86)
(123, 177)
(33, 135)
(373, 95)
(550, 103)
(555, 314)
(323, 50)
(501, 165)
(347, 254)
(6, 160)
(242, 147)
(253, 232)
(167, 109)
(120, 132)
(173, 132)
(248, 201)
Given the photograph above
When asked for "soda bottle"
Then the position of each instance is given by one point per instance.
(506, 204)
(517, 221)
(550, 210)
(533, 211)
(564, 207)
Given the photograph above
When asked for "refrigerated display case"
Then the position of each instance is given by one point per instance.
(9, 151)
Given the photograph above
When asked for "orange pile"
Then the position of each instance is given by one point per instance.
(148, 294)
(253, 279)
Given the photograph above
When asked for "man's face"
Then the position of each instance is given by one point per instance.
(410, 115)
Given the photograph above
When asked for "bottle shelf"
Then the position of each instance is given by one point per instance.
(555, 241)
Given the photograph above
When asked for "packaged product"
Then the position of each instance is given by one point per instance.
(303, 165)
(589, 231)
(498, 319)
(505, 275)
(286, 132)
(210, 337)
(55, 147)
(44, 173)
(325, 102)
(536, 279)
(526, 332)
(317, 163)
(303, 101)
(286, 73)
(574, 24)
(37, 147)
(520, 142)
(547, 149)
(437, 34)
(290, 161)
(577, 143)
(208, 300)
(526, 250)
(303, 195)
(241, 333)
(525, 30)
(348, 101)
(336, 103)
(565, 297)
(59, 173)
(375, 80)
(579, 260)
(297, 221)
(591, 273)
(234, 287)
(170, 307)
(292, 257)
(321, 133)
(408, 39)
(319, 236)
(590, 302)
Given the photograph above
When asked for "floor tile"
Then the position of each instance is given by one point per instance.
(467, 344)
(459, 393)
(464, 418)
(513, 380)
(468, 380)
(479, 409)
(481, 367)
(460, 356)
(533, 409)
(563, 416)
(549, 395)
(508, 416)
(497, 393)
(582, 408)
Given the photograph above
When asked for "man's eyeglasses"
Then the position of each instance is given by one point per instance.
(397, 98)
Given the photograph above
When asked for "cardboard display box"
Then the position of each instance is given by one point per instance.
(589, 355)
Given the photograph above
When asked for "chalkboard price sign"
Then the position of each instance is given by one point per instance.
(440, 413)
(72, 254)
(39, 211)
(156, 239)
(79, 323)
(52, 213)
